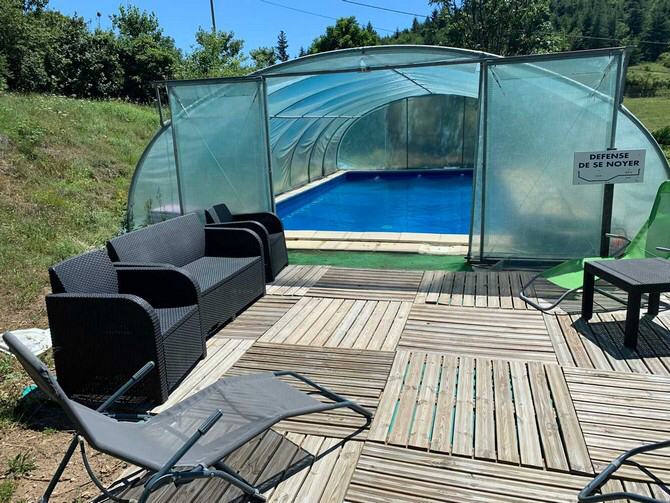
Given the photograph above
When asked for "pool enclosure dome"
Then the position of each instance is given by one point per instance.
(515, 121)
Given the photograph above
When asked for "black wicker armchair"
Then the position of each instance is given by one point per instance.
(226, 264)
(106, 322)
(267, 225)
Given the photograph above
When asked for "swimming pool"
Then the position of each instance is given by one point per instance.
(416, 201)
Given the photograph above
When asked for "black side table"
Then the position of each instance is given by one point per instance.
(634, 276)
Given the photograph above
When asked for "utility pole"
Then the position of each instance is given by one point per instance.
(211, 4)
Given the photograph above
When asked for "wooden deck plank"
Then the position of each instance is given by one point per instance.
(446, 402)
(506, 435)
(407, 400)
(463, 422)
(457, 289)
(554, 453)
(493, 289)
(485, 447)
(578, 455)
(529, 440)
(421, 429)
(436, 287)
(382, 422)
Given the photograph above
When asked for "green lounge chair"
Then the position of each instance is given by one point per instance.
(651, 241)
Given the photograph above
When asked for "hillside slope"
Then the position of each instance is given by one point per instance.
(65, 166)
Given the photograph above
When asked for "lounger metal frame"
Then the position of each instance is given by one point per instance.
(617, 254)
(168, 474)
(588, 494)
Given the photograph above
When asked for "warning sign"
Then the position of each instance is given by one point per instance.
(608, 166)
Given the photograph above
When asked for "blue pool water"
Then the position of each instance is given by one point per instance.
(424, 201)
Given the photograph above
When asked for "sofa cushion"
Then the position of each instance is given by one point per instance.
(210, 272)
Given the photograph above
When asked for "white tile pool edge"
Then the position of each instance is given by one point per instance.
(399, 242)
(304, 188)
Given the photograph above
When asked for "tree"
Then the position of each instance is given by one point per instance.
(657, 30)
(345, 34)
(144, 52)
(282, 47)
(302, 52)
(263, 57)
(216, 55)
(502, 27)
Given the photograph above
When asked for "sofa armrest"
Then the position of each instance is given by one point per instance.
(252, 225)
(269, 220)
(102, 336)
(222, 242)
(160, 287)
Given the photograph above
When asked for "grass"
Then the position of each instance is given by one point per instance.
(7, 489)
(65, 168)
(379, 260)
(653, 112)
(21, 464)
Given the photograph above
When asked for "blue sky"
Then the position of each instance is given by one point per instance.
(254, 21)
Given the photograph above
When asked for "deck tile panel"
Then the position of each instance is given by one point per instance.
(367, 284)
(486, 333)
(506, 411)
(357, 374)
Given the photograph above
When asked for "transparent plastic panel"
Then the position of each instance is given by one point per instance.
(370, 57)
(633, 201)
(538, 115)
(470, 124)
(318, 152)
(419, 132)
(330, 153)
(475, 240)
(435, 131)
(283, 153)
(364, 144)
(303, 149)
(153, 195)
(220, 133)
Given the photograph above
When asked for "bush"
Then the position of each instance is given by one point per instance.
(645, 85)
(662, 135)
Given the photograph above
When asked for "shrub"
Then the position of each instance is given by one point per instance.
(645, 85)
(662, 135)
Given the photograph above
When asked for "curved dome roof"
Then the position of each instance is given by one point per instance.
(313, 101)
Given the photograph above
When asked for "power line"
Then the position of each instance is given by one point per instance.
(385, 8)
(316, 14)
(615, 39)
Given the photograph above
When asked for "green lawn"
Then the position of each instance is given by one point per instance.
(65, 167)
(653, 112)
(379, 260)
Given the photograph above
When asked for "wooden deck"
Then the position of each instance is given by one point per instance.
(475, 397)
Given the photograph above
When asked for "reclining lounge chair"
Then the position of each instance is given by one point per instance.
(226, 264)
(267, 225)
(189, 440)
(106, 322)
(651, 241)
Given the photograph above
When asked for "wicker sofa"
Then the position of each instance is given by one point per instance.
(106, 323)
(267, 225)
(226, 264)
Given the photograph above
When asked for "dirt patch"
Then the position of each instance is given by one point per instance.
(41, 444)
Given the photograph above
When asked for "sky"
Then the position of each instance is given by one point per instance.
(257, 22)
